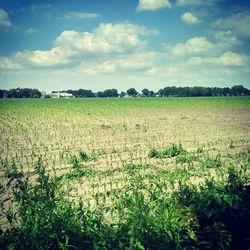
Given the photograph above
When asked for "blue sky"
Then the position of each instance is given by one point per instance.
(100, 44)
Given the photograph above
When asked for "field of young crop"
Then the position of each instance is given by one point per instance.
(146, 173)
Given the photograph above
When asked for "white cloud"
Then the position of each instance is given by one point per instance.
(8, 64)
(42, 58)
(134, 64)
(228, 58)
(194, 45)
(47, 58)
(232, 59)
(137, 61)
(4, 19)
(195, 2)
(95, 68)
(165, 71)
(106, 38)
(79, 15)
(238, 22)
(196, 60)
(77, 42)
(152, 5)
(71, 46)
(120, 63)
(225, 39)
(190, 18)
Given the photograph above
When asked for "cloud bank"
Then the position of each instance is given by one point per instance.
(152, 5)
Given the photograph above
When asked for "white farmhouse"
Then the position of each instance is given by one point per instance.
(61, 95)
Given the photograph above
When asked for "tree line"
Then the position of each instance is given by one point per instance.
(20, 93)
(237, 90)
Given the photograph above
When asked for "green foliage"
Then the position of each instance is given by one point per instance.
(201, 91)
(81, 93)
(40, 217)
(172, 151)
(83, 155)
(132, 92)
(222, 211)
(78, 169)
(77, 173)
(107, 93)
(20, 93)
(160, 210)
(150, 222)
(232, 144)
(186, 158)
(212, 162)
(153, 153)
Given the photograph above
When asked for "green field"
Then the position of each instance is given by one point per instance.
(125, 173)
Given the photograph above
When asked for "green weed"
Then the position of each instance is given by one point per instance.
(172, 151)
(40, 217)
(209, 162)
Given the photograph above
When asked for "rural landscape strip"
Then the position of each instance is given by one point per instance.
(237, 90)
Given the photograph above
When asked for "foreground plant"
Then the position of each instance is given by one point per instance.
(172, 151)
(39, 216)
(153, 210)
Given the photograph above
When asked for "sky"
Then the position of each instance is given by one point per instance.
(102, 44)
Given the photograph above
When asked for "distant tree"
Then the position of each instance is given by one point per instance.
(80, 93)
(5, 93)
(166, 91)
(35, 93)
(22, 93)
(216, 91)
(110, 93)
(239, 90)
(13, 93)
(196, 91)
(173, 91)
(70, 91)
(183, 91)
(226, 91)
(203, 91)
(90, 93)
(160, 92)
(132, 92)
(151, 93)
(107, 93)
(122, 94)
(99, 94)
(25, 93)
(85, 93)
(208, 91)
(1, 93)
(145, 92)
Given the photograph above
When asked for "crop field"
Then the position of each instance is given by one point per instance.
(125, 173)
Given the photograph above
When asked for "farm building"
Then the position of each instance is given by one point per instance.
(61, 95)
